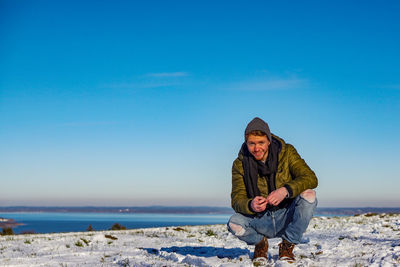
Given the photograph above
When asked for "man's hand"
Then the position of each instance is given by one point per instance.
(276, 196)
(259, 203)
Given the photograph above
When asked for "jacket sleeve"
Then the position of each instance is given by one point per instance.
(239, 200)
(303, 177)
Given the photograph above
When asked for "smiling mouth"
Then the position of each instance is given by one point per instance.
(259, 154)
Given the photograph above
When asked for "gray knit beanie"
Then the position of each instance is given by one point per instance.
(258, 124)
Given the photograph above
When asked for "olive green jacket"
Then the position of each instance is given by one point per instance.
(292, 171)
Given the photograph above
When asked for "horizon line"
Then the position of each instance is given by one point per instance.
(174, 206)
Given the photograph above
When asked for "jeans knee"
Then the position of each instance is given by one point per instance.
(236, 229)
(309, 195)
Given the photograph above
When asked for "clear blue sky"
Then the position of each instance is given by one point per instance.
(145, 102)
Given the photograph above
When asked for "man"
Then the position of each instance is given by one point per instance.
(271, 192)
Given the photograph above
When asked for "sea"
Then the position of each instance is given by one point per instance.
(58, 222)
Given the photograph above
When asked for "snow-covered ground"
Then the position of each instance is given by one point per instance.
(365, 240)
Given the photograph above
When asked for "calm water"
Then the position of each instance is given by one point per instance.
(49, 222)
(75, 222)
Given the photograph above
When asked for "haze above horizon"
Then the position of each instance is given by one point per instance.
(137, 103)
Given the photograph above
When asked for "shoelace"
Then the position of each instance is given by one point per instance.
(287, 246)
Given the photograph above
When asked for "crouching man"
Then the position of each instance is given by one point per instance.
(271, 192)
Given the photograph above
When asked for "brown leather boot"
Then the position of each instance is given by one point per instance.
(286, 251)
(261, 249)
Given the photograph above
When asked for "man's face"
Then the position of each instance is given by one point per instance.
(258, 146)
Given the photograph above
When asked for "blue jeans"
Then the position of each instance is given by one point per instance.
(289, 223)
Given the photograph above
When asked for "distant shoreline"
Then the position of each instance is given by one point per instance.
(128, 210)
(181, 210)
(8, 223)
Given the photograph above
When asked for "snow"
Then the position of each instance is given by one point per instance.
(365, 240)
